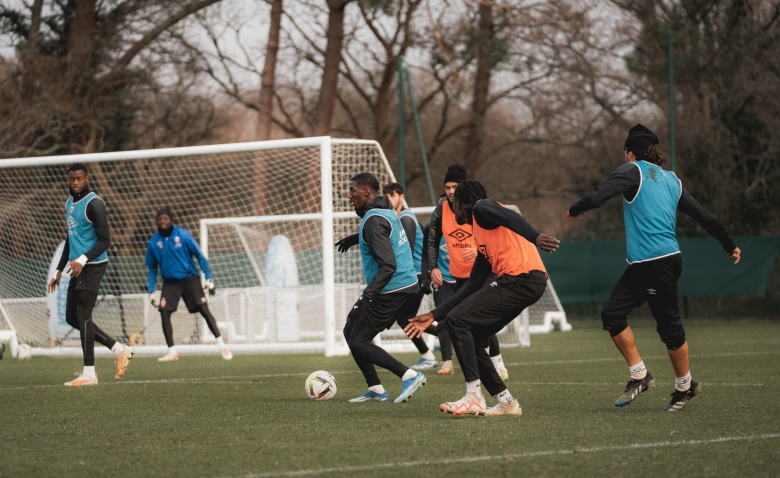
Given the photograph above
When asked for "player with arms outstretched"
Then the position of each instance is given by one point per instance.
(450, 271)
(172, 249)
(651, 198)
(507, 251)
(85, 255)
(391, 285)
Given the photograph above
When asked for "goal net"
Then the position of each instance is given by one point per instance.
(266, 214)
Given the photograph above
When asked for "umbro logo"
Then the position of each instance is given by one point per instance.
(460, 235)
(651, 291)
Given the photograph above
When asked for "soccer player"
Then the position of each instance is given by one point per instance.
(172, 249)
(414, 232)
(651, 198)
(459, 243)
(87, 260)
(391, 284)
(507, 254)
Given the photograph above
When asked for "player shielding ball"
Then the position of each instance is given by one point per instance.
(172, 249)
(85, 255)
(482, 307)
(391, 285)
(651, 198)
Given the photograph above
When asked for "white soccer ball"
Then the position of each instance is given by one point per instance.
(23, 352)
(321, 385)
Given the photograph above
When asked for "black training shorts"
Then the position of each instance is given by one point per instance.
(187, 289)
(89, 279)
(382, 312)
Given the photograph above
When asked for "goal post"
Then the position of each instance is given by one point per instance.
(267, 215)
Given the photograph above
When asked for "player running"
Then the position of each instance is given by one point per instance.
(391, 284)
(172, 248)
(450, 271)
(651, 197)
(85, 255)
(482, 307)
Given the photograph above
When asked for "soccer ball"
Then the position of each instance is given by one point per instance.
(23, 352)
(321, 385)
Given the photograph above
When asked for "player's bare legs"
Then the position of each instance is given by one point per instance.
(625, 342)
(680, 362)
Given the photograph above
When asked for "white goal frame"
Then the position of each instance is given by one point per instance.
(332, 344)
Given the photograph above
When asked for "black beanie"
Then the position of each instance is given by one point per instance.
(165, 211)
(455, 174)
(640, 138)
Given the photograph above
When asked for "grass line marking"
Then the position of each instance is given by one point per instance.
(508, 456)
(621, 359)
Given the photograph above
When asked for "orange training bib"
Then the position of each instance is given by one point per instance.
(507, 252)
(459, 238)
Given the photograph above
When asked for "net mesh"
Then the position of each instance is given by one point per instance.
(255, 302)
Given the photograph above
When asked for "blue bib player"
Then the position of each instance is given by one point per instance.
(86, 258)
(391, 280)
(651, 198)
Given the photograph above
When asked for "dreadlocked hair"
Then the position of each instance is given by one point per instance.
(651, 155)
(469, 192)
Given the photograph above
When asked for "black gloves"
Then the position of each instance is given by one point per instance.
(347, 242)
(425, 284)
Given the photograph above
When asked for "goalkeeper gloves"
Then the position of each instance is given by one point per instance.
(347, 242)
(357, 310)
(153, 300)
(209, 285)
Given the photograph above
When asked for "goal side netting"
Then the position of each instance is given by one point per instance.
(266, 214)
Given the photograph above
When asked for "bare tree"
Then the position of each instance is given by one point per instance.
(265, 104)
(330, 69)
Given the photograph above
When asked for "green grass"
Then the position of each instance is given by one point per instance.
(202, 416)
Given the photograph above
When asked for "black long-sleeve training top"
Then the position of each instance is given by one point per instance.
(96, 213)
(376, 234)
(626, 180)
(488, 214)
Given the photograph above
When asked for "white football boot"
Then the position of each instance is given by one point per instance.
(471, 404)
(169, 357)
(82, 380)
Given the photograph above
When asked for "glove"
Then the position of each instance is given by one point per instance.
(153, 300)
(425, 285)
(209, 285)
(348, 242)
(357, 310)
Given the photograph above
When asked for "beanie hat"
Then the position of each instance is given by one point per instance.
(455, 174)
(639, 139)
(165, 211)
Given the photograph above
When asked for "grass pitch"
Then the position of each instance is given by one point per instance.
(202, 416)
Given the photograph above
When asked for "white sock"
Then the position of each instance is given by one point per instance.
(409, 374)
(498, 362)
(505, 397)
(89, 371)
(428, 356)
(117, 348)
(474, 387)
(377, 389)
(638, 371)
(172, 350)
(220, 342)
(683, 384)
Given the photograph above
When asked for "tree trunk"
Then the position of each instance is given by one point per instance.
(269, 70)
(481, 88)
(330, 72)
(35, 27)
(80, 38)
